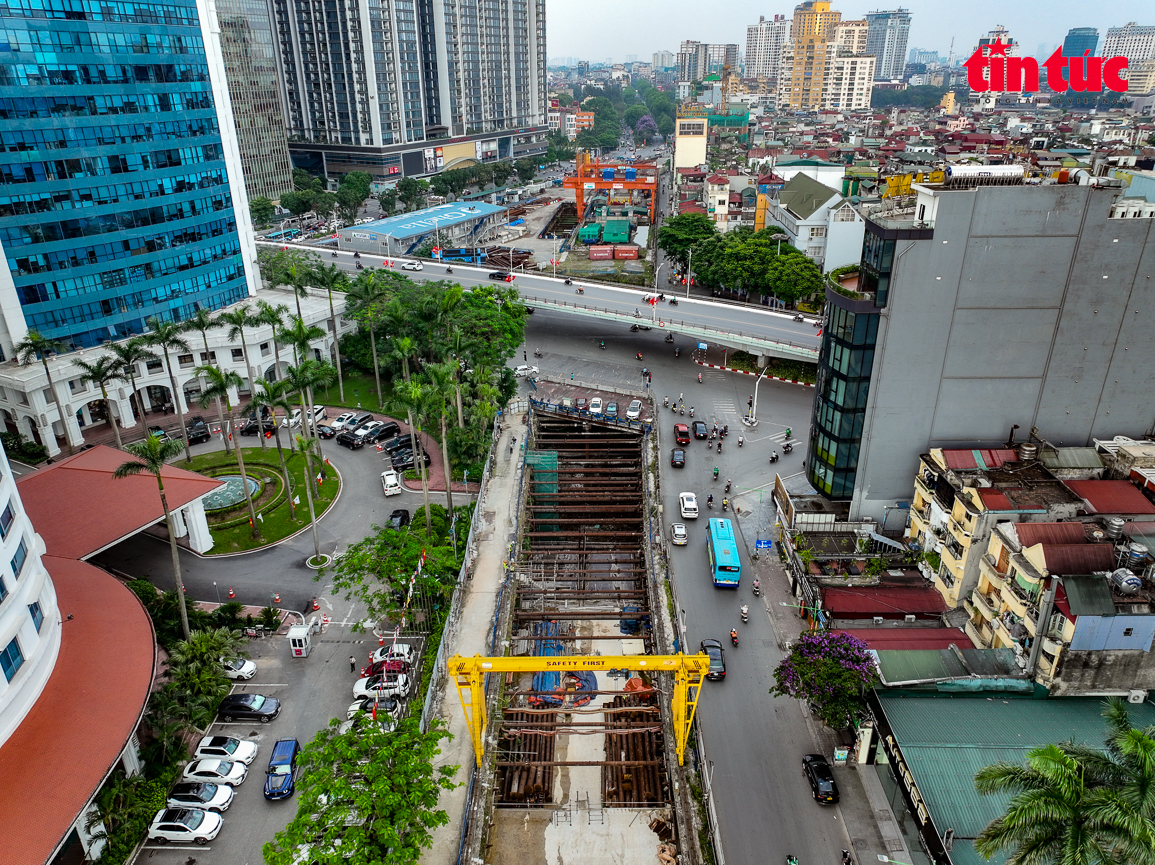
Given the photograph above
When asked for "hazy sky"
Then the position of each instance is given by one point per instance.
(597, 30)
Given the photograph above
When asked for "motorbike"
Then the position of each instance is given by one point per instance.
(774, 457)
(333, 254)
(757, 588)
(682, 410)
(699, 378)
(669, 337)
(603, 344)
(677, 351)
(568, 281)
(356, 255)
(449, 270)
(740, 440)
(733, 636)
(661, 296)
(691, 411)
(787, 448)
(710, 502)
(798, 318)
(665, 402)
(745, 613)
(719, 445)
(537, 352)
(673, 301)
(725, 504)
(360, 266)
(637, 314)
(638, 355)
(729, 483)
(713, 434)
(788, 432)
(715, 473)
(580, 290)
(725, 430)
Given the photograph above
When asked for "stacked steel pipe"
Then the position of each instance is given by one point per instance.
(528, 742)
(634, 737)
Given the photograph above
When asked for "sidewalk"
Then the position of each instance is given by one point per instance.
(496, 513)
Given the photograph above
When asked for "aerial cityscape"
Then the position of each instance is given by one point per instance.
(701, 452)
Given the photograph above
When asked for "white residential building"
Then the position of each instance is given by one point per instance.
(818, 221)
(764, 43)
(1135, 42)
(889, 31)
(849, 81)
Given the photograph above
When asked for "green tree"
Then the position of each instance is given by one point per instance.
(303, 181)
(332, 278)
(388, 202)
(831, 670)
(665, 125)
(526, 169)
(237, 319)
(324, 203)
(633, 114)
(202, 322)
(261, 210)
(273, 395)
(414, 398)
(303, 378)
(217, 385)
(151, 456)
(363, 302)
(679, 234)
(298, 203)
(101, 372)
(411, 191)
(298, 334)
(793, 277)
(194, 672)
(441, 381)
(502, 171)
(168, 336)
(366, 796)
(272, 317)
(128, 354)
(35, 347)
(349, 203)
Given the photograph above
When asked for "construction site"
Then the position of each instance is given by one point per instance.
(581, 724)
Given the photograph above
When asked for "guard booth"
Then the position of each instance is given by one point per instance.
(301, 639)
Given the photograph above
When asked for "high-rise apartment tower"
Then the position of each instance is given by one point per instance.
(764, 43)
(1135, 42)
(1080, 40)
(886, 40)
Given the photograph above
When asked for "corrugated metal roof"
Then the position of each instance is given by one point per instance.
(803, 195)
(947, 739)
(978, 459)
(1089, 596)
(1071, 458)
(889, 602)
(919, 665)
(1078, 558)
(964, 853)
(1050, 533)
(994, 500)
(912, 638)
(1111, 497)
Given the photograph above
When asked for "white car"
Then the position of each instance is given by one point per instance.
(412, 265)
(342, 421)
(239, 668)
(390, 706)
(390, 684)
(364, 722)
(635, 410)
(679, 535)
(226, 748)
(292, 421)
(688, 505)
(203, 795)
(524, 370)
(400, 651)
(596, 406)
(184, 824)
(218, 771)
(391, 483)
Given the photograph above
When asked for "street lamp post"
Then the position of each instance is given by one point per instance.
(218, 591)
(752, 418)
(657, 272)
(689, 272)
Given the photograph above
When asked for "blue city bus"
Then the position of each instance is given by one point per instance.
(725, 566)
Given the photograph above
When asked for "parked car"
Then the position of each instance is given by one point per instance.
(501, 276)
(363, 721)
(635, 410)
(249, 707)
(821, 778)
(412, 265)
(389, 665)
(353, 419)
(386, 432)
(366, 431)
(325, 431)
(524, 370)
(239, 668)
(678, 458)
(582, 404)
(200, 794)
(396, 443)
(386, 705)
(393, 684)
(596, 406)
(281, 774)
(350, 439)
(184, 824)
(717, 659)
(688, 505)
(611, 409)
(402, 461)
(159, 433)
(293, 420)
(679, 535)
(681, 434)
(319, 413)
(252, 426)
(198, 430)
(404, 651)
(226, 748)
(399, 519)
(340, 421)
(218, 771)
(391, 483)
(700, 429)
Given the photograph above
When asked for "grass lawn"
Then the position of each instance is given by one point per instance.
(360, 392)
(276, 523)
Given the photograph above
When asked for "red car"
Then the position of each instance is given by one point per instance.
(395, 665)
(681, 434)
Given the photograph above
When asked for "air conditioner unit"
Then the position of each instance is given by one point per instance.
(908, 618)
(878, 620)
(1136, 696)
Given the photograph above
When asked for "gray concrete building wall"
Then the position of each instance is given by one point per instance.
(1028, 305)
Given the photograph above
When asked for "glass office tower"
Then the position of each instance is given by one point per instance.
(115, 201)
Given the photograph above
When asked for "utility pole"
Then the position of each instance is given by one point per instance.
(752, 418)
(689, 278)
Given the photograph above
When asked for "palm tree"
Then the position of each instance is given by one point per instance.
(203, 322)
(455, 341)
(299, 335)
(166, 335)
(303, 378)
(35, 347)
(238, 319)
(362, 301)
(274, 317)
(441, 390)
(104, 370)
(1054, 816)
(217, 389)
(128, 354)
(295, 277)
(272, 396)
(412, 397)
(151, 456)
(332, 278)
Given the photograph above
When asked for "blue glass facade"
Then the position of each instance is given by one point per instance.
(114, 198)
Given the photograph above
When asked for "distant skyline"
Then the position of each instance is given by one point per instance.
(597, 30)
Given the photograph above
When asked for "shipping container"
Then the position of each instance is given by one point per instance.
(601, 253)
(626, 251)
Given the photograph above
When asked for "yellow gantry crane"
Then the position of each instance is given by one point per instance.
(689, 670)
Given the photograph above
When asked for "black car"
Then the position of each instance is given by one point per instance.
(325, 431)
(249, 707)
(198, 430)
(251, 426)
(700, 429)
(678, 458)
(350, 439)
(399, 519)
(397, 443)
(717, 659)
(389, 430)
(403, 461)
(821, 778)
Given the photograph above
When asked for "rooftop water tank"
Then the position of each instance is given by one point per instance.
(1114, 528)
(1125, 582)
(1028, 452)
(1136, 557)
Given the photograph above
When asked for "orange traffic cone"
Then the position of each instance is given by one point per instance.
(380, 641)
(232, 594)
(276, 597)
(316, 604)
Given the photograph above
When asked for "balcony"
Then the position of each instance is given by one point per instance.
(987, 605)
(981, 637)
(989, 569)
(958, 529)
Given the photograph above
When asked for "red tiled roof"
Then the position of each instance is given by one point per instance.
(1050, 533)
(1078, 558)
(1111, 497)
(74, 734)
(912, 638)
(978, 459)
(718, 179)
(995, 500)
(77, 526)
(890, 603)
(690, 207)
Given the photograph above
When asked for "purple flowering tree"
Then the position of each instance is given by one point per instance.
(830, 670)
(646, 128)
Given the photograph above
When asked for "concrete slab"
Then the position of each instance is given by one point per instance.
(611, 836)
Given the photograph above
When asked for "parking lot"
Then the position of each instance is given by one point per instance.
(312, 691)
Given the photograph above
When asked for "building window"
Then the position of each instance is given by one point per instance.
(1127, 632)
(210, 357)
(3, 589)
(19, 559)
(154, 366)
(238, 354)
(265, 350)
(818, 231)
(844, 214)
(37, 616)
(11, 659)
(184, 360)
(6, 519)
